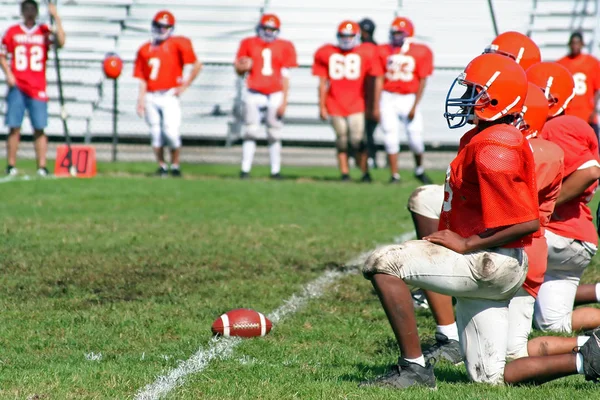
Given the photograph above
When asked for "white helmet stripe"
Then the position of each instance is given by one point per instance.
(508, 107)
(520, 55)
(548, 86)
(565, 104)
(492, 79)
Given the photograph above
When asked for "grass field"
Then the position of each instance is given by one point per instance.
(111, 282)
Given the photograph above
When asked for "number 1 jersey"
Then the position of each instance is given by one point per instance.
(268, 59)
(29, 51)
(405, 66)
(346, 72)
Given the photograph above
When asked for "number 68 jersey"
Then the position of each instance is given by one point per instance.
(161, 64)
(268, 61)
(29, 51)
(405, 66)
(346, 71)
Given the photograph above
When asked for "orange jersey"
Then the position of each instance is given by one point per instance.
(405, 66)
(491, 184)
(346, 72)
(586, 74)
(268, 59)
(577, 139)
(161, 65)
(549, 166)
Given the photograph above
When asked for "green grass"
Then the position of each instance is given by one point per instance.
(137, 269)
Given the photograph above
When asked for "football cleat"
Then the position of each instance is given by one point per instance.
(419, 299)
(43, 172)
(345, 178)
(276, 177)
(395, 178)
(11, 171)
(244, 175)
(405, 375)
(445, 348)
(366, 178)
(176, 172)
(591, 356)
(162, 172)
(423, 177)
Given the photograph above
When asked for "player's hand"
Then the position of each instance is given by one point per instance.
(140, 109)
(52, 10)
(10, 80)
(281, 110)
(243, 64)
(411, 114)
(323, 114)
(449, 240)
(375, 114)
(178, 91)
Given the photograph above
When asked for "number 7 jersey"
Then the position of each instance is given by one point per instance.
(29, 51)
(268, 60)
(405, 66)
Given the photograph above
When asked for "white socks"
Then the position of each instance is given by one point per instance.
(248, 149)
(579, 363)
(451, 331)
(581, 340)
(275, 156)
(420, 360)
(598, 292)
(419, 170)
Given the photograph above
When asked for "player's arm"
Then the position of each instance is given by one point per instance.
(418, 96)
(577, 183)
(322, 96)
(141, 102)
(378, 87)
(286, 89)
(59, 33)
(196, 68)
(10, 78)
(242, 63)
(596, 98)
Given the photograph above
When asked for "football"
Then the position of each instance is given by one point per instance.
(242, 322)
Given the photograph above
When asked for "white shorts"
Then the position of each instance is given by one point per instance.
(483, 283)
(394, 109)
(427, 201)
(163, 115)
(567, 259)
(260, 108)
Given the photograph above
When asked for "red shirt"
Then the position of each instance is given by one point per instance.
(405, 66)
(586, 74)
(491, 184)
(29, 51)
(577, 139)
(549, 166)
(268, 59)
(161, 65)
(346, 72)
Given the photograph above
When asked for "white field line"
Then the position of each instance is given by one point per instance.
(221, 348)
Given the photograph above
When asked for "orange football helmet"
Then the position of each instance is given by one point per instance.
(517, 46)
(348, 35)
(495, 86)
(268, 27)
(535, 112)
(112, 65)
(163, 25)
(401, 28)
(556, 82)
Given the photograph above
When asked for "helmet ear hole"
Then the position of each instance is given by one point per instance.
(494, 102)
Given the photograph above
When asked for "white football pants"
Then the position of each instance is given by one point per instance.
(394, 109)
(163, 115)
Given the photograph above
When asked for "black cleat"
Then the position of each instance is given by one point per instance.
(424, 178)
(162, 172)
(43, 172)
(591, 356)
(244, 175)
(366, 178)
(395, 179)
(405, 375)
(445, 348)
(345, 178)
(176, 172)
(276, 177)
(419, 299)
(11, 171)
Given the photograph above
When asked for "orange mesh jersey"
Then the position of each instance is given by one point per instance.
(346, 72)
(586, 74)
(549, 166)
(491, 184)
(405, 66)
(577, 139)
(268, 59)
(161, 65)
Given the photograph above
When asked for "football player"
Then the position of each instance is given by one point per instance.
(367, 30)
(267, 61)
(28, 43)
(571, 234)
(342, 71)
(159, 68)
(407, 65)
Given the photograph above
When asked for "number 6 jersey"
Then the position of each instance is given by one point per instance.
(346, 71)
(405, 66)
(29, 51)
(268, 59)
(161, 64)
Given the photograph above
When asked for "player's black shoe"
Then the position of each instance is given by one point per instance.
(445, 348)
(424, 178)
(345, 178)
(276, 177)
(395, 179)
(366, 178)
(11, 171)
(244, 175)
(43, 172)
(591, 356)
(176, 172)
(404, 375)
(162, 172)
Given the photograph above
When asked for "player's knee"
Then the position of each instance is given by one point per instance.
(391, 143)
(426, 197)
(384, 260)
(273, 134)
(357, 142)
(517, 350)
(553, 322)
(174, 140)
(251, 131)
(415, 143)
(341, 143)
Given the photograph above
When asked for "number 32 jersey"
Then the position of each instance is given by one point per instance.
(161, 65)
(405, 66)
(268, 59)
(29, 51)
(346, 72)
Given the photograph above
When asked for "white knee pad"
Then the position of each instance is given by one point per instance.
(274, 125)
(391, 141)
(427, 201)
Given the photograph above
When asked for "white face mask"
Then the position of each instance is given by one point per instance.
(267, 34)
(348, 42)
(161, 32)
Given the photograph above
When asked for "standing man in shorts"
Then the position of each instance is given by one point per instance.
(27, 44)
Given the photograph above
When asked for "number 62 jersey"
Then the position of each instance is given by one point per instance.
(268, 61)
(346, 71)
(405, 66)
